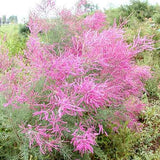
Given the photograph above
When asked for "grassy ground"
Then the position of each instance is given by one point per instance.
(14, 41)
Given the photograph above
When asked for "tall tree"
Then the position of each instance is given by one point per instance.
(4, 19)
(13, 19)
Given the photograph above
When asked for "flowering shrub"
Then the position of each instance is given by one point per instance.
(83, 142)
(94, 71)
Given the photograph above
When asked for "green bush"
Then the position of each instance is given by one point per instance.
(118, 145)
(24, 29)
(140, 9)
(113, 15)
(156, 18)
(148, 145)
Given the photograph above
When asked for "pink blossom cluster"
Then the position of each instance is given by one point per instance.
(84, 141)
(95, 21)
(5, 60)
(94, 71)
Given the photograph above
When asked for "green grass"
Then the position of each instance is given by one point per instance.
(13, 40)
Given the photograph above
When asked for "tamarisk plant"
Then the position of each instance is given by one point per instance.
(95, 71)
